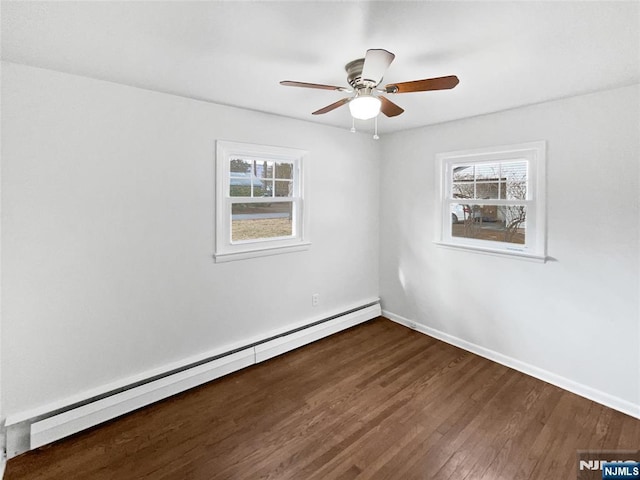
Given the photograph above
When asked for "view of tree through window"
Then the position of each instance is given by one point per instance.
(259, 201)
(502, 220)
(261, 178)
(492, 199)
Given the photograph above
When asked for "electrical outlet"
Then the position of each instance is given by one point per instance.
(315, 299)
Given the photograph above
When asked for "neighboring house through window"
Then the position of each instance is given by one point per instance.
(492, 199)
(259, 201)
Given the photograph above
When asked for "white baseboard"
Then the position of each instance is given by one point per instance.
(585, 391)
(26, 433)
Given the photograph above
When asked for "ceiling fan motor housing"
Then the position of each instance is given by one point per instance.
(354, 74)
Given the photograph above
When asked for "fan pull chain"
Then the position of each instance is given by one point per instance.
(375, 134)
(353, 125)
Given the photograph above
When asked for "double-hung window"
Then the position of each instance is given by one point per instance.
(259, 201)
(493, 199)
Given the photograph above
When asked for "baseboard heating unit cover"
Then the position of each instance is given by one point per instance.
(34, 429)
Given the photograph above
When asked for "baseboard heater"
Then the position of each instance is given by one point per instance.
(30, 433)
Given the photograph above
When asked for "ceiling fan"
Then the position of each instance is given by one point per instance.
(365, 76)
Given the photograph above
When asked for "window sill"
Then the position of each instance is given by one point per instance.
(222, 257)
(495, 252)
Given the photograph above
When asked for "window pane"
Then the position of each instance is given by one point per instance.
(463, 190)
(263, 169)
(240, 186)
(261, 188)
(487, 171)
(238, 165)
(252, 221)
(284, 170)
(463, 173)
(490, 190)
(515, 175)
(489, 222)
(284, 188)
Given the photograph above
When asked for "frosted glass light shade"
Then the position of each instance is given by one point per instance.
(364, 107)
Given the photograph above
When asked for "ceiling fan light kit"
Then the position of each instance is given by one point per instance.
(365, 75)
(364, 107)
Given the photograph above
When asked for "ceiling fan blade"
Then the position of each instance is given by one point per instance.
(375, 65)
(440, 83)
(333, 106)
(289, 83)
(389, 108)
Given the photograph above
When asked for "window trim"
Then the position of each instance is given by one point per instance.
(535, 153)
(225, 249)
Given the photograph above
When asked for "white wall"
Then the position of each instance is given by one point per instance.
(576, 316)
(107, 237)
(2, 436)
(108, 229)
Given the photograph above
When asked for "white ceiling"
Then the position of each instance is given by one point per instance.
(506, 54)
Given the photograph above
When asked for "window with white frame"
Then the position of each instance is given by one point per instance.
(493, 199)
(259, 201)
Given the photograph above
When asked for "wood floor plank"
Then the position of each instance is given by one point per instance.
(515, 459)
(375, 402)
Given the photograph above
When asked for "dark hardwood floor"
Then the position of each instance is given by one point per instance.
(378, 401)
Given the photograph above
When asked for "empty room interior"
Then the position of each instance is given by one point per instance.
(320, 240)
